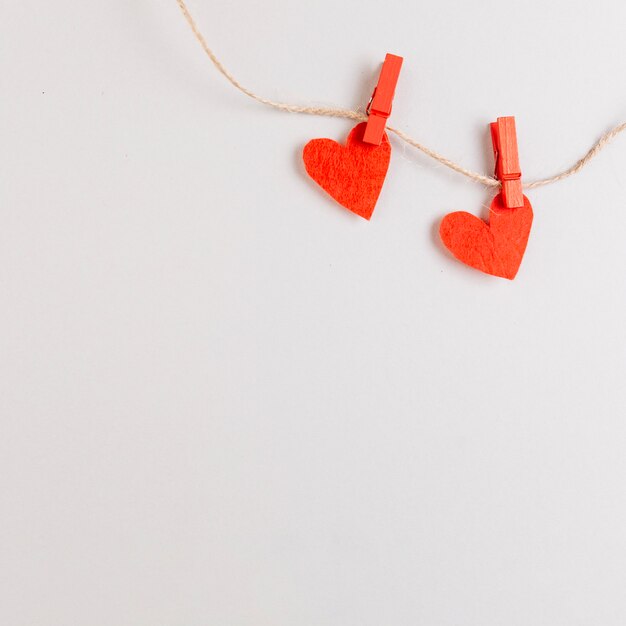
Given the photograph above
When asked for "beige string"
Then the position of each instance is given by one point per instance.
(489, 181)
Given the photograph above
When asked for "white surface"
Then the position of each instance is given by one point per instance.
(227, 401)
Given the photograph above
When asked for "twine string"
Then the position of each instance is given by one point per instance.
(489, 181)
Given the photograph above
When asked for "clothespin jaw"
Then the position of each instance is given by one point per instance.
(508, 172)
(379, 108)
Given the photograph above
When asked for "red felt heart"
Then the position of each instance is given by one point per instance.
(496, 248)
(352, 174)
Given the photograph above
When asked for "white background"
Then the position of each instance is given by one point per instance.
(226, 400)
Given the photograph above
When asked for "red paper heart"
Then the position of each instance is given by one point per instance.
(496, 248)
(352, 174)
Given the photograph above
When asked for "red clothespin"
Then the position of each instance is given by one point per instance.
(508, 170)
(379, 108)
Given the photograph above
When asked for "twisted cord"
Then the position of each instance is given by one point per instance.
(489, 181)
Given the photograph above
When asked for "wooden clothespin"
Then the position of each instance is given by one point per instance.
(508, 170)
(379, 108)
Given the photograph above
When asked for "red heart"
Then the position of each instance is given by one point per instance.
(352, 174)
(496, 248)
